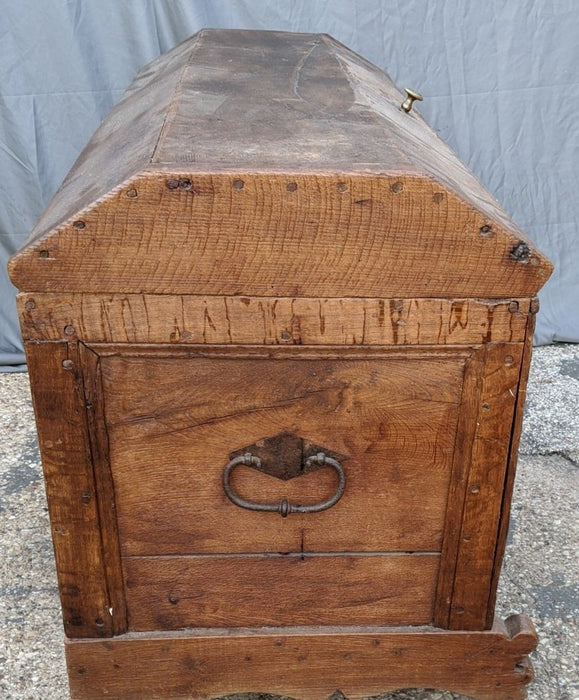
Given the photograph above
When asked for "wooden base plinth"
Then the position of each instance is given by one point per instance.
(305, 663)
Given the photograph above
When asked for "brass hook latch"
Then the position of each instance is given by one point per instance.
(409, 101)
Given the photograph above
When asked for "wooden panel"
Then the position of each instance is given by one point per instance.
(310, 106)
(331, 236)
(512, 463)
(456, 496)
(212, 591)
(148, 318)
(173, 420)
(70, 488)
(484, 490)
(104, 487)
(288, 95)
(303, 664)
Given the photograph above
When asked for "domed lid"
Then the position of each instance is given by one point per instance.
(273, 164)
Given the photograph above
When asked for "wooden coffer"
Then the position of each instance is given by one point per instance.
(278, 338)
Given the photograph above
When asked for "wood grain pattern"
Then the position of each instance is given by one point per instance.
(305, 664)
(333, 236)
(173, 420)
(484, 489)
(148, 318)
(466, 430)
(259, 241)
(89, 366)
(311, 105)
(70, 488)
(300, 589)
(512, 465)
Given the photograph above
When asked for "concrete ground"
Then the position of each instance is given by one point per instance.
(540, 575)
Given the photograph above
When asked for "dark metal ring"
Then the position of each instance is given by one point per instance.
(284, 508)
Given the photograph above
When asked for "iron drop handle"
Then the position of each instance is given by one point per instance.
(284, 508)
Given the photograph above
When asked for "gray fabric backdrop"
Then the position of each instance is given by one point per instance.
(499, 80)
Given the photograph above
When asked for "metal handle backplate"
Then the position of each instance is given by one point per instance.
(284, 508)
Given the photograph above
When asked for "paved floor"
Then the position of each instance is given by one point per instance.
(540, 575)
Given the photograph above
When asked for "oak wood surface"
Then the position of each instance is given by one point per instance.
(485, 487)
(247, 102)
(258, 241)
(466, 429)
(512, 465)
(173, 422)
(65, 449)
(300, 589)
(301, 663)
(147, 318)
(331, 236)
(104, 487)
